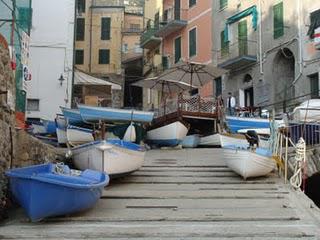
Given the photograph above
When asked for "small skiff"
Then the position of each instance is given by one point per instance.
(77, 135)
(191, 141)
(53, 189)
(115, 157)
(210, 141)
(249, 163)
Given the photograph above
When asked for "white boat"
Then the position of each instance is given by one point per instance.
(61, 129)
(191, 141)
(77, 135)
(211, 140)
(240, 140)
(115, 157)
(259, 131)
(38, 128)
(308, 111)
(249, 163)
(168, 135)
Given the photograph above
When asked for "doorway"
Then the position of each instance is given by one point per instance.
(249, 97)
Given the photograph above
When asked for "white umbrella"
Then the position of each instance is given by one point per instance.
(192, 73)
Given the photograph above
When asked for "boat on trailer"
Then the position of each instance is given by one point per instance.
(53, 189)
(249, 162)
(168, 135)
(115, 157)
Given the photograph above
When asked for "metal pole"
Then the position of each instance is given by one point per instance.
(286, 163)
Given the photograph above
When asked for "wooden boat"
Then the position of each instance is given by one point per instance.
(72, 116)
(210, 141)
(96, 114)
(168, 135)
(78, 135)
(53, 189)
(237, 123)
(115, 157)
(61, 129)
(249, 163)
(191, 141)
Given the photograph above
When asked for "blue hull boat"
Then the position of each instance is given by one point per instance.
(239, 123)
(95, 114)
(50, 126)
(72, 116)
(53, 189)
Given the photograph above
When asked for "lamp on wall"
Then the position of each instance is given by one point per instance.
(61, 79)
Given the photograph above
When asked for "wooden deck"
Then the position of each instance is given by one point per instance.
(183, 194)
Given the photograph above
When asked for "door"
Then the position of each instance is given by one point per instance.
(177, 49)
(177, 9)
(243, 38)
(248, 97)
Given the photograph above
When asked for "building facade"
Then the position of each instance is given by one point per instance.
(51, 58)
(268, 48)
(98, 50)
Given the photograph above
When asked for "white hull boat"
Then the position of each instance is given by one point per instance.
(61, 130)
(77, 136)
(115, 157)
(239, 140)
(249, 163)
(308, 111)
(168, 135)
(212, 140)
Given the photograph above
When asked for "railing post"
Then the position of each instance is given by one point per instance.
(199, 103)
(286, 162)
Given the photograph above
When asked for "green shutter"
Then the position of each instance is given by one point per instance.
(105, 28)
(218, 84)
(104, 56)
(177, 49)
(193, 42)
(278, 24)
(79, 57)
(80, 29)
(224, 45)
(223, 3)
(192, 3)
(243, 38)
(314, 86)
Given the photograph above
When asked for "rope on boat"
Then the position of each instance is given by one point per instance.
(296, 179)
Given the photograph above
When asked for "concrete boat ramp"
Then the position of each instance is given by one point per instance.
(183, 194)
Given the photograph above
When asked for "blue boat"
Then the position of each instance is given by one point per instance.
(72, 116)
(50, 126)
(54, 190)
(96, 114)
(239, 123)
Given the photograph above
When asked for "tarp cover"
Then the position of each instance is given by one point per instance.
(235, 18)
(81, 78)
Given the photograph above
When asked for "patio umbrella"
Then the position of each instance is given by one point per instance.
(165, 86)
(192, 73)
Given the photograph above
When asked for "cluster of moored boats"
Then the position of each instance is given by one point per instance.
(107, 143)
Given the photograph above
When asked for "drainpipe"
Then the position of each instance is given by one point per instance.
(300, 43)
(260, 40)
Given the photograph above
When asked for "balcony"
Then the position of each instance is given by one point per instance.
(173, 20)
(149, 40)
(237, 55)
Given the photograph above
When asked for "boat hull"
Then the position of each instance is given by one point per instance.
(77, 136)
(240, 141)
(43, 194)
(210, 141)
(238, 123)
(109, 157)
(61, 130)
(247, 163)
(168, 135)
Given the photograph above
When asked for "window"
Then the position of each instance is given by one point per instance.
(177, 49)
(81, 6)
(125, 48)
(193, 42)
(224, 45)
(314, 22)
(192, 3)
(135, 27)
(218, 85)
(79, 57)
(223, 4)
(105, 28)
(278, 24)
(33, 104)
(314, 85)
(137, 48)
(104, 56)
(80, 29)
(165, 62)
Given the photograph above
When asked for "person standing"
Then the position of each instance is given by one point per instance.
(231, 104)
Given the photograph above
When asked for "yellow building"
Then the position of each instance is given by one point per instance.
(152, 50)
(98, 45)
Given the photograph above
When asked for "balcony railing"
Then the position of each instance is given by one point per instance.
(238, 54)
(149, 40)
(173, 20)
